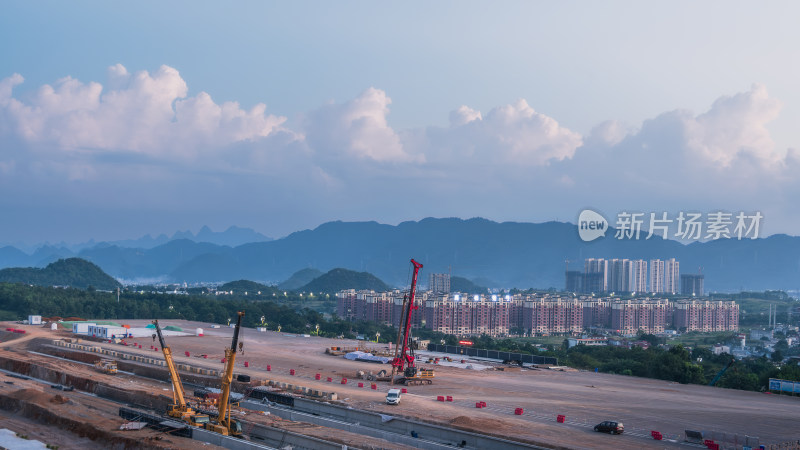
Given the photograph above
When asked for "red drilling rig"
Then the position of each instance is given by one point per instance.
(404, 362)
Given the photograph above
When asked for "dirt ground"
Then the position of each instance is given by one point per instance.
(585, 398)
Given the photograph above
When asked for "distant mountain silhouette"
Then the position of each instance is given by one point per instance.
(73, 272)
(299, 279)
(460, 284)
(339, 279)
(249, 288)
(507, 254)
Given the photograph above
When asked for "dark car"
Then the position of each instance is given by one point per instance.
(610, 427)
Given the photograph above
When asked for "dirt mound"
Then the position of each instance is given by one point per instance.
(30, 395)
(58, 399)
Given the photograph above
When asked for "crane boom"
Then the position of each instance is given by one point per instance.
(179, 408)
(225, 425)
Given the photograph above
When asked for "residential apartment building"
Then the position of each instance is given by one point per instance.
(439, 283)
(638, 277)
(656, 280)
(692, 284)
(463, 314)
(595, 275)
(697, 315)
(672, 277)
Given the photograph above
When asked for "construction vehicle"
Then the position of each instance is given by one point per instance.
(722, 372)
(179, 408)
(224, 424)
(404, 364)
(108, 366)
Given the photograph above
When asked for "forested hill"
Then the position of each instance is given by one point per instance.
(339, 279)
(73, 272)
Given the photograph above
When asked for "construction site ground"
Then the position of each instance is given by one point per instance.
(584, 398)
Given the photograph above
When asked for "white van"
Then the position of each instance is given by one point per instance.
(393, 396)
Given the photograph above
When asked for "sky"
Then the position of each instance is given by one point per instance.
(120, 120)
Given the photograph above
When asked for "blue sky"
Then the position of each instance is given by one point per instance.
(118, 120)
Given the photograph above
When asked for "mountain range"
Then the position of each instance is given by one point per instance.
(508, 254)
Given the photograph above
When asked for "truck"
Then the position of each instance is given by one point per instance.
(393, 397)
(108, 366)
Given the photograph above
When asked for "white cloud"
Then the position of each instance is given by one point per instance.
(512, 135)
(500, 163)
(357, 128)
(735, 127)
(463, 115)
(143, 112)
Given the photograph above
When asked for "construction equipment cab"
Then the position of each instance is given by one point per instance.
(393, 397)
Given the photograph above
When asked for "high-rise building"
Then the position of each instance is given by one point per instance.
(638, 276)
(692, 284)
(672, 277)
(574, 281)
(596, 275)
(656, 282)
(439, 283)
(619, 275)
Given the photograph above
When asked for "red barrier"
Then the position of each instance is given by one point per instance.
(223, 360)
(156, 348)
(205, 356)
(317, 376)
(449, 398)
(478, 404)
(247, 363)
(361, 385)
(656, 435)
(187, 353)
(329, 379)
(269, 368)
(404, 391)
(374, 386)
(483, 404)
(561, 418)
(440, 398)
(9, 329)
(291, 371)
(344, 381)
(518, 411)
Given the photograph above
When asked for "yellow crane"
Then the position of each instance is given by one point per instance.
(179, 408)
(224, 424)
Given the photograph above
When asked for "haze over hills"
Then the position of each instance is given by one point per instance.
(231, 237)
(508, 254)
